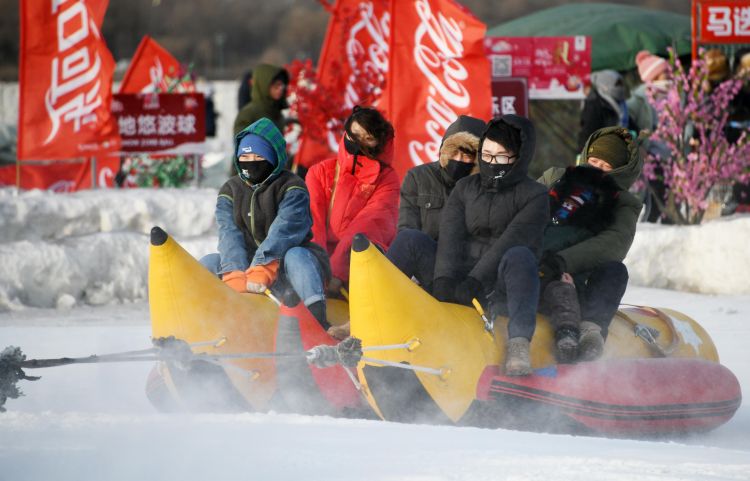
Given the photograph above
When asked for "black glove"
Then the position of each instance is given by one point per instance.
(551, 267)
(468, 289)
(443, 288)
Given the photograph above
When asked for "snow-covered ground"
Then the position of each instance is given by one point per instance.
(73, 282)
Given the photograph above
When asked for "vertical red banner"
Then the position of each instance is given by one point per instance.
(357, 38)
(65, 81)
(438, 70)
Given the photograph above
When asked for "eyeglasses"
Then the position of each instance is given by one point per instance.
(498, 158)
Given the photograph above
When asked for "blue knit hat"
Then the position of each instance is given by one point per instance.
(255, 144)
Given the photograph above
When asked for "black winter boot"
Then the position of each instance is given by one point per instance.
(318, 310)
(566, 345)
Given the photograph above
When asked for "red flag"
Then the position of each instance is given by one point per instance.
(438, 71)
(65, 81)
(152, 69)
(62, 176)
(356, 41)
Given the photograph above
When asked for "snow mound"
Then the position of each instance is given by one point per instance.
(712, 258)
(91, 247)
(44, 215)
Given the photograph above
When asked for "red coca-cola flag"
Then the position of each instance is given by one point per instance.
(65, 81)
(438, 70)
(153, 69)
(355, 47)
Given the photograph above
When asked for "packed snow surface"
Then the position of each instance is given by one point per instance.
(73, 271)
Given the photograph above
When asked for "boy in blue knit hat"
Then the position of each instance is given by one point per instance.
(265, 224)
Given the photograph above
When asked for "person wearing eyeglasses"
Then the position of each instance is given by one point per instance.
(491, 234)
(591, 227)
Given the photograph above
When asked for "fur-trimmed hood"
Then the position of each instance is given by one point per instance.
(464, 141)
(464, 124)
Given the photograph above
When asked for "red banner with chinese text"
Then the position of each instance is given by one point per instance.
(65, 81)
(62, 176)
(356, 38)
(438, 71)
(555, 67)
(152, 69)
(724, 21)
(154, 122)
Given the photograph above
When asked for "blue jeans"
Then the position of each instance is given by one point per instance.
(299, 267)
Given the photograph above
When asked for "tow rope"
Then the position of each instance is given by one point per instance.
(167, 349)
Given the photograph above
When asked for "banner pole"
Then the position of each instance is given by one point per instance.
(93, 172)
(18, 175)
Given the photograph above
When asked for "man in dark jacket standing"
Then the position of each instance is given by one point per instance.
(491, 235)
(268, 98)
(592, 225)
(425, 191)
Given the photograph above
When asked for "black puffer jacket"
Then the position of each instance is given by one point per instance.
(484, 218)
(426, 187)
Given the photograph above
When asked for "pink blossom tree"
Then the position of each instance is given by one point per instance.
(692, 116)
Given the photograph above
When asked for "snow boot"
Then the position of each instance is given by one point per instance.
(591, 342)
(566, 345)
(517, 361)
(318, 310)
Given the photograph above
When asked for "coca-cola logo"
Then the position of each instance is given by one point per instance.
(366, 52)
(75, 91)
(438, 51)
(375, 55)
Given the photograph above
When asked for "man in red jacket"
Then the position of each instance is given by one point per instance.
(355, 192)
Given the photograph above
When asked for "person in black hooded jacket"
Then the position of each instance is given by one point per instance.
(423, 194)
(491, 235)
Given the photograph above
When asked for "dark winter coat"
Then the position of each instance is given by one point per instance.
(259, 223)
(426, 187)
(484, 218)
(262, 105)
(606, 230)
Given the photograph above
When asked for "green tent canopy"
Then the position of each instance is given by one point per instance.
(618, 32)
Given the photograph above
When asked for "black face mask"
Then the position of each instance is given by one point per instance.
(493, 173)
(255, 172)
(351, 146)
(354, 148)
(458, 170)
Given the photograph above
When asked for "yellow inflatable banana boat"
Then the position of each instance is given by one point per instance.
(434, 362)
(190, 303)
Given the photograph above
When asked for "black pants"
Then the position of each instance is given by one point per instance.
(414, 252)
(516, 291)
(600, 292)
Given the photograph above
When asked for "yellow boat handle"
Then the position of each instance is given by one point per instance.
(488, 324)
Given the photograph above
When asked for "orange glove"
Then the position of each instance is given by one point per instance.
(237, 280)
(260, 277)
